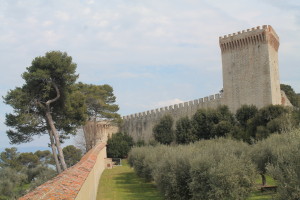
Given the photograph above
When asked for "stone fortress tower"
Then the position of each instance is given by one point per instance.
(250, 76)
(250, 68)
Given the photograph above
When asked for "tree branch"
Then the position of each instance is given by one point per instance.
(57, 95)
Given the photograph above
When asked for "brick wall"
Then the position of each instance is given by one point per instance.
(78, 182)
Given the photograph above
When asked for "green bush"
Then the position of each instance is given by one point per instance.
(144, 159)
(172, 173)
(163, 131)
(211, 123)
(278, 156)
(286, 166)
(119, 145)
(210, 169)
(184, 134)
(222, 170)
(244, 113)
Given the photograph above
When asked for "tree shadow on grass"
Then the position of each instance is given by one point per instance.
(135, 188)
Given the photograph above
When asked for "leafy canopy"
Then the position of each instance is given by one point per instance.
(47, 73)
(99, 100)
(163, 131)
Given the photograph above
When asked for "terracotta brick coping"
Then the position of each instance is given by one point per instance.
(67, 184)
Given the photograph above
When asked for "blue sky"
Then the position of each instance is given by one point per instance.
(153, 52)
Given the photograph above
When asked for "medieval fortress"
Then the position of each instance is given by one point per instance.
(250, 76)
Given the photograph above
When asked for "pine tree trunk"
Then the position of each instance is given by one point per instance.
(86, 138)
(95, 132)
(54, 152)
(56, 138)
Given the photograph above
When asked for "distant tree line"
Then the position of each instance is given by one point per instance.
(22, 172)
(248, 124)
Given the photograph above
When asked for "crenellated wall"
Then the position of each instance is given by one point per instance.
(255, 35)
(140, 125)
(250, 67)
(95, 131)
(250, 76)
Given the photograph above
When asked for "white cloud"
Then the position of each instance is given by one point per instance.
(90, 2)
(62, 16)
(32, 20)
(86, 11)
(47, 23)
(136, 45)
(51, 37)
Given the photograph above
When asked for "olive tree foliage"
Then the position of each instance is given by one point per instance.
(46, 103)
(208, 169)
(285, 166)
(262, 154)
(278, 156)
(163, 131)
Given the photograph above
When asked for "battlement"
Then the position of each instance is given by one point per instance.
(140, 125)
(181, 106)
(255, 35)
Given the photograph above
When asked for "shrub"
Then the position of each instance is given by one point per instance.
(145, 159)
(244, 113)
(285, 167)
(211, 123)
(222, 170)
(184, 134)
(279, 156)
(172, 173)
(163, 131)
(210, 169)
(119, 145)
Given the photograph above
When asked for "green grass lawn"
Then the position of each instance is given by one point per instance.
(258, 195)
(121, 183)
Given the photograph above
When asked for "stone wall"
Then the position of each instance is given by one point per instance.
(140, 125)
(250, 68)
(250, 76)
(78, 182)
(95, 131)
